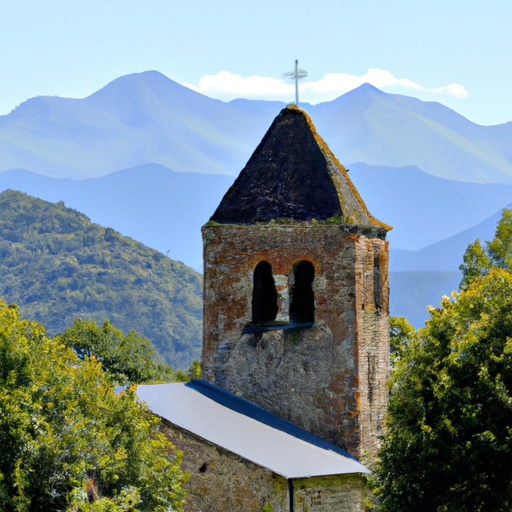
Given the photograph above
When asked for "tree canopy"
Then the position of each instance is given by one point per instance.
(57, 265)
(68, 441)
(448, 444)
(128, 359)
(496, 254)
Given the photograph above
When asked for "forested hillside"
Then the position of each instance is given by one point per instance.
(57, 265)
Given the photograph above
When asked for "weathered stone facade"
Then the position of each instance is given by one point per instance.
(296, 322)
(221, 481)
(347, 493)
(329, 378)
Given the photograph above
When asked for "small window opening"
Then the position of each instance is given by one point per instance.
(377, 282)
(264, 294)
(302, 300)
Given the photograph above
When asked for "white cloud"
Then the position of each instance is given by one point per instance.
(227, 86)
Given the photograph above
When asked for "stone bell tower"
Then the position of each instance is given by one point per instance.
(296, 290)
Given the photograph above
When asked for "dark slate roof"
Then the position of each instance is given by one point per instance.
(247, 430)
(292, 174)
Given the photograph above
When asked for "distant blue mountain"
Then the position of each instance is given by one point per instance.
(447, 254)
(146, 117)
(134, 120)
(412, 292)
(424, 209)
(370, 126)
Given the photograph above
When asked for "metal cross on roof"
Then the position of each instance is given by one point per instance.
(297, 74)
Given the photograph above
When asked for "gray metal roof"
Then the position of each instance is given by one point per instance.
(247, 430)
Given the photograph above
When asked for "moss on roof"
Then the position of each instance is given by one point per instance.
(293, 174)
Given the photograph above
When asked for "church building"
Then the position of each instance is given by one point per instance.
(295, 342)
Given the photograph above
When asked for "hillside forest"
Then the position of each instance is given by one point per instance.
(57, 265)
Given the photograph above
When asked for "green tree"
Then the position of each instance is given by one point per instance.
(476, 263)
(194, 371)
(448, 445)
(400, 331)
(500, 249)
(128, 358)
(497, 253)
(68, 441)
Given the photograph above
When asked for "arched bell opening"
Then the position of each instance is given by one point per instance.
(264, 294)
(302, 298)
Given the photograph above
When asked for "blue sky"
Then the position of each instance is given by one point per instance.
(452, 51)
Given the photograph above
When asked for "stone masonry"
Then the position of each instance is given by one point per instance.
(330, 378)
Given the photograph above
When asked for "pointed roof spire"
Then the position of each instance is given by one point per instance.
(292, 174)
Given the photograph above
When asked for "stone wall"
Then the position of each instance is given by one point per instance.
(340, 493)
(372, 307)
(221, 481)
(329, 378)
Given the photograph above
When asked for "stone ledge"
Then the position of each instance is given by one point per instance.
(252, 328)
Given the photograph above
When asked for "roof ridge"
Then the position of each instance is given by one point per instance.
(326, 149)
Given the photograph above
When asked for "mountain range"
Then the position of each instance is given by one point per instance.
(152, 159)
(149, 203)
(134, 120)
(147, 117)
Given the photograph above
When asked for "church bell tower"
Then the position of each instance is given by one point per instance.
(296, 290)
